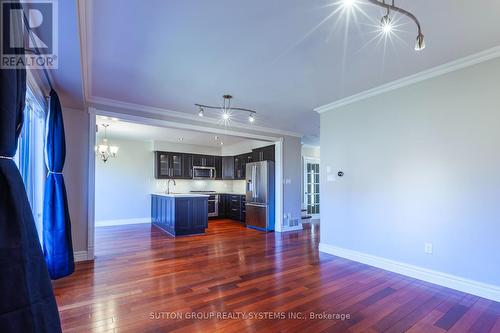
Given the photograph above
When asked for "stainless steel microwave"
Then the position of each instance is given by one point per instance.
(203, 172)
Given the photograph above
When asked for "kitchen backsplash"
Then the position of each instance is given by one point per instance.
(185, 186)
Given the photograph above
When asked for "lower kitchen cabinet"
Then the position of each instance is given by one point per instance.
(180, 215)
(232, 206)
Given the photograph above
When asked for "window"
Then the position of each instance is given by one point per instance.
(30, 157)
(311, 187)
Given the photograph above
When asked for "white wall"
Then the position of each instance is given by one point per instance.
(185, 148)
(311, 152)
(421, 164)
(123, 184)
(76, 173)
(243, 147)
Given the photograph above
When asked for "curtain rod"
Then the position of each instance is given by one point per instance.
(36, 50)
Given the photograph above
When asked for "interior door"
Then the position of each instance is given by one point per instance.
(311, 187)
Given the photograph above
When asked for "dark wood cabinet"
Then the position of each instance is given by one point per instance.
(180, 215)
(172, 165)
(162, 165)
(227, 167)
(187, 166)
(218, 167)
(240, 165)
(264, 154)
(232, 206)
(203, 160)
(180, 165)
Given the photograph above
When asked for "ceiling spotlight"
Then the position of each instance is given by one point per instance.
(251, 118)
(225, 116)
(348, 3)
(216, 137)
(201, 112)
(180, 139)
(386, 24)
(420, 44)
(221, 143)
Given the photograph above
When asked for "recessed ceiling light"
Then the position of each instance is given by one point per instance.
(216, 137)
(251, 118)
(221, 143)
(225, 116)
(180, 139)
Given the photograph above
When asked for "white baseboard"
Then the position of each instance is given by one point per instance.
(108, 223)
(80, 256)
(484, 290)
(295, 228)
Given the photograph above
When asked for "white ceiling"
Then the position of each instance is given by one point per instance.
(119, 129)
(172, 54)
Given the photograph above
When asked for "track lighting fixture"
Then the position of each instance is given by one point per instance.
(227, 110)
(387, 24)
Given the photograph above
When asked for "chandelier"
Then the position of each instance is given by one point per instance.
(386, 23)
(104, 151)
(226, 110)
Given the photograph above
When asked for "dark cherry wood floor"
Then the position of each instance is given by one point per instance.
(140, 274)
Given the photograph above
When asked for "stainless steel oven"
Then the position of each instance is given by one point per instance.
(213, 202)
(203, 172)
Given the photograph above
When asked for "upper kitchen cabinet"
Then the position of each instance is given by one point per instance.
(172, 165)
(218, 167)
(162, 165)
(240, 165)
(204, 160)
(264, 154)
(228, 167)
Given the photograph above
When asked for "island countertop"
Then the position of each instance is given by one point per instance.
(182, 195)
(180, 214)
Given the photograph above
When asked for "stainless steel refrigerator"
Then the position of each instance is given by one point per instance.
(260, 195)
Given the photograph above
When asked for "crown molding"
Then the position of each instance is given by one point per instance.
(106, 102)
(449, 67)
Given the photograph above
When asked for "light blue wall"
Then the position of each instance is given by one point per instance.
(421, 164)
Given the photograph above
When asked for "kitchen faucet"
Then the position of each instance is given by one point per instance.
(168, 185)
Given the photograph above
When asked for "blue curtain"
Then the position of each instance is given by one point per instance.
(57, 243)
(27, 302)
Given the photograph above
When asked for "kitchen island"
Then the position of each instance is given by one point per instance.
(180, 214)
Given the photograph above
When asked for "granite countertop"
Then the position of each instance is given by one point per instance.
(182, 195)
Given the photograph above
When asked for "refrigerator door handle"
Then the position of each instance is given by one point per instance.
(256, 205)
(254, 181)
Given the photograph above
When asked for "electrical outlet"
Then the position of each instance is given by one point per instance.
(428, 248)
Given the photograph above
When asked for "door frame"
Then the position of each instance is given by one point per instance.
(94, 112)
(304, 182)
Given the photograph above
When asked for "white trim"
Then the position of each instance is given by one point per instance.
(84, 8)
(81, 256)
(278, 185)
(446, 280)
(91, 184)
(172, 124)
(295, 228)
(100, 101)
(109, 223)
(415, 78)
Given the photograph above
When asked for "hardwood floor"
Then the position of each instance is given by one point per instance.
(140, 275)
